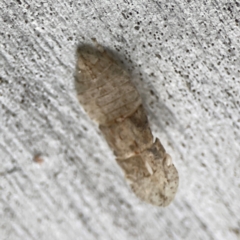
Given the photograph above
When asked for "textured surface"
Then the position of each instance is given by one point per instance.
(185, 58)
(108, 95)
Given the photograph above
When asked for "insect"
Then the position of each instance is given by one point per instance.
(38, 159)
(105, 91)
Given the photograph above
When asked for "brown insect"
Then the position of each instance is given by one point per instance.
(38, 159)
(106, 93)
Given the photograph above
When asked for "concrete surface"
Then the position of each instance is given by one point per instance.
(58, 177)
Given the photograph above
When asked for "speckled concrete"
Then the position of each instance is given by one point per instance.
(185, 60)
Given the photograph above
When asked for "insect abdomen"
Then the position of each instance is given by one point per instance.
(129, 137)
(105, 92)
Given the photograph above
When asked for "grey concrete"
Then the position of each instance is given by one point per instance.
(184, 57)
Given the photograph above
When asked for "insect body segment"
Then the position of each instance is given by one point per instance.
(105, 91)
(130, 136)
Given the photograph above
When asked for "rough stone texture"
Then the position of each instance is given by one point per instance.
(185, 60)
